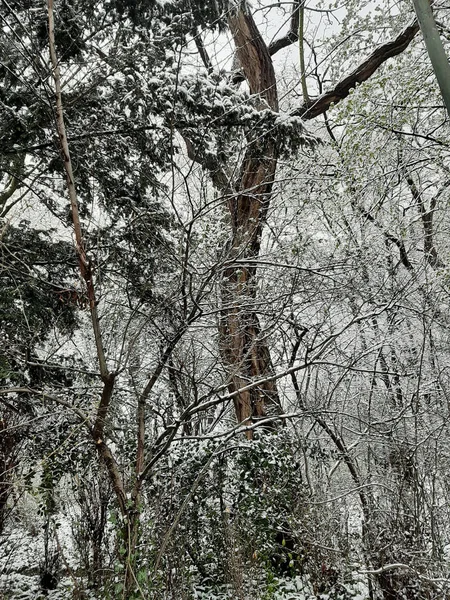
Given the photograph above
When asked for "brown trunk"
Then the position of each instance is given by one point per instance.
(244, 351)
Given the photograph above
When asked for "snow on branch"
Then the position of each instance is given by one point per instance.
(317, 106)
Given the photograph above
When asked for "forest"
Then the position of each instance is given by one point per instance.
(224, 300)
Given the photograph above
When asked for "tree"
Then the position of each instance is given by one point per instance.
(154, 143)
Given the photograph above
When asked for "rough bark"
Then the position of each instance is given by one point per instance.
(292, 35)
(244, 350)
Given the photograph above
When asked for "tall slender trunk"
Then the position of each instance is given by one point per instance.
(434, 46)
(129, 516)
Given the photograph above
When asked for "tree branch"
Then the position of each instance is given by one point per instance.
(84, 263)
(426, 216)
(210, 163)
(86, 271)
(27, 390)
(203, 53)
(318, 106)
(292, 35)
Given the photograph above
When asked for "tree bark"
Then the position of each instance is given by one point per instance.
(244, 350)
(318, 106)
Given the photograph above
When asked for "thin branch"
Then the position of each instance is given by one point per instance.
(301, 51)
(426, 216)
(396, 566)
(86, 271)
(45, 396)
(84, 262)
(203, 54)
(404, 259)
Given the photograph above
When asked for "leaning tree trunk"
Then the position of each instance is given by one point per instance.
(244, 350)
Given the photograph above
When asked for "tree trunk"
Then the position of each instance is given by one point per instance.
(435, 47)
(244, 350)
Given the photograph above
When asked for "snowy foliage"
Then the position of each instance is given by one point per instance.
(224, 331)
